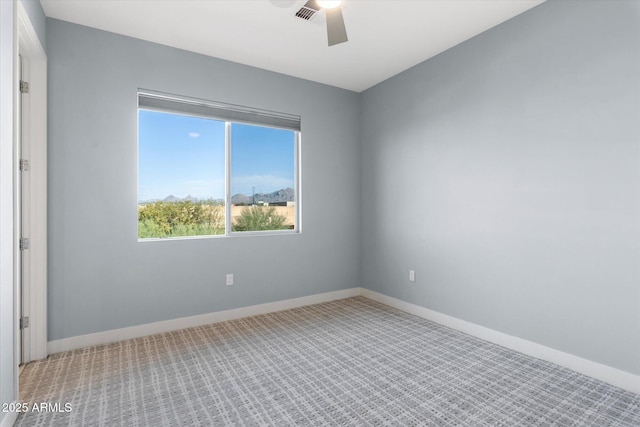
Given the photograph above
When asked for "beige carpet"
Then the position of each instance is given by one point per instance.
(348, 362)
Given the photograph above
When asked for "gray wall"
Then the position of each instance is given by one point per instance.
(100, 276)
(505, 171)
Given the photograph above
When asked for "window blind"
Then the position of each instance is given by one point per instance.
(216, 110)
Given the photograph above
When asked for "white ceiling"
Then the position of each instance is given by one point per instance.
(385, 36)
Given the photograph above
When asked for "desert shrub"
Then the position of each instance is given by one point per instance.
(149, 229)
(196, 230)
(184, 218)
(256, 218)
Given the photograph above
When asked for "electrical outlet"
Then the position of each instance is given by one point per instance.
(412, 275)
(230, 279)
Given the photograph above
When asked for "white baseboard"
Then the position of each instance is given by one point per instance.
(121, 334)
(9, 418)
(596, 370)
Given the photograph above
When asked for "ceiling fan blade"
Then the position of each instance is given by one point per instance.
(336, 31)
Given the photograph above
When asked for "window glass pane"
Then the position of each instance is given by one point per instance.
(181, 175)
(262, 178)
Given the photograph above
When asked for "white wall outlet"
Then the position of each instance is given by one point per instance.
(230, 279)
(412, 275)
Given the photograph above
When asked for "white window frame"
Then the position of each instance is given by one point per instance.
(229, 114)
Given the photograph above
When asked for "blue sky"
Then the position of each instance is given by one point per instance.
(183, 155)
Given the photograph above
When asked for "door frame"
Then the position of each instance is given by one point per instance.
(34, 144)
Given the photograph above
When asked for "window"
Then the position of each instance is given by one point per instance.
(207, 169)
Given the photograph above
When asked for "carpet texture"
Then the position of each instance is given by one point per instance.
(352, 362)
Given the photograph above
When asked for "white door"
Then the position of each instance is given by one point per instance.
(22, 204)
(30, 193)
(18, 212)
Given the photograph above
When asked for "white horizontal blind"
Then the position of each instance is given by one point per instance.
(228, 112)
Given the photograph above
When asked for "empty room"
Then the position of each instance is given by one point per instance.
(292, 212)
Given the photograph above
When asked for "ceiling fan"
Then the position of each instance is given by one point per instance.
(336, 30)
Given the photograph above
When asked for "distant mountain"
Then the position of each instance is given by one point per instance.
(172, 198)
(240, 199)
(283, 195)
